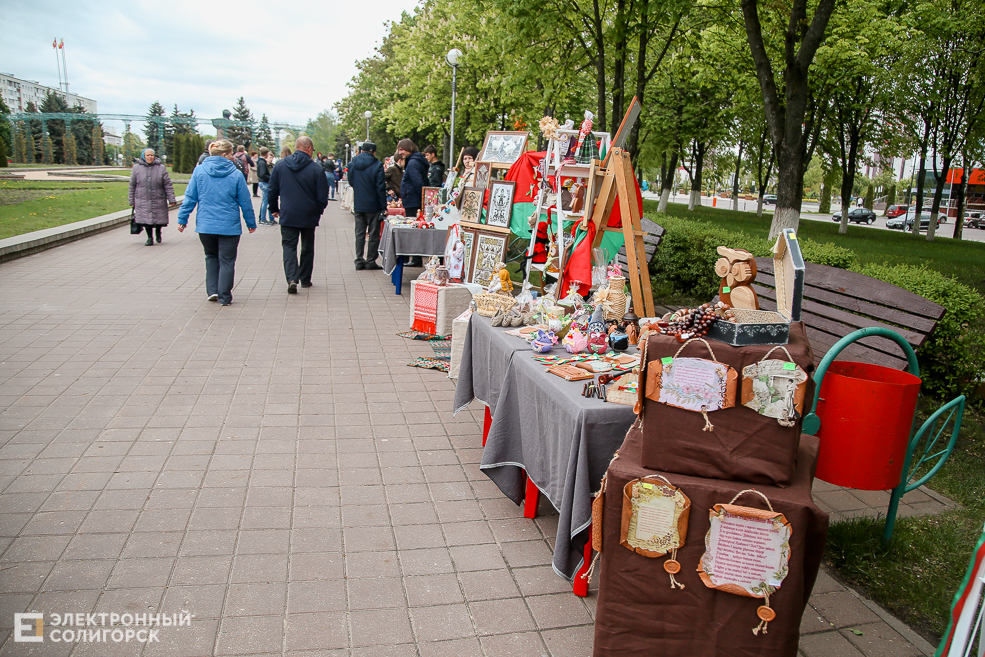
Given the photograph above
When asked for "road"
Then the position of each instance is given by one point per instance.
(810, 212)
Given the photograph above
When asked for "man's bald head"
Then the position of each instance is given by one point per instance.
(304, 144)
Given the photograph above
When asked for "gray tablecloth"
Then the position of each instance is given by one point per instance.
(563, 441)
(485, 357)
(401, 241)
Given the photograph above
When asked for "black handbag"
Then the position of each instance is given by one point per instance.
(135, 228)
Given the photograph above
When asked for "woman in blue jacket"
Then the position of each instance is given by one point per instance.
(219, 190)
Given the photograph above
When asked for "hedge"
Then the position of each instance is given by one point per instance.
(951, 358)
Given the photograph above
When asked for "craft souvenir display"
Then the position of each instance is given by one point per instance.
(775, 388)
(471, 204)
(694, 384)
(500, 203)
(618, 340)
(598, 340)
(747, 552)
(544, 342)
(570, 372)
(574, 341)
(483, 174)
(654, 520)
(490, 251)
(738, 270)
(502, 148)
(751, 327)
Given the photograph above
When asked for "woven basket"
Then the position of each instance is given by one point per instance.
(617, 298)
(487, 304)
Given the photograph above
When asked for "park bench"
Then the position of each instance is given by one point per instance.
(653, 234)
(838, 302)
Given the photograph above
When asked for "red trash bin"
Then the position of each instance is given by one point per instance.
(866, 414)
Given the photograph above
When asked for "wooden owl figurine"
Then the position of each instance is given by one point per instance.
(738, 270)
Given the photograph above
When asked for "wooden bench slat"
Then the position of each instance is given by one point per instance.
(858, 307)
(822, 342)
(865, 288)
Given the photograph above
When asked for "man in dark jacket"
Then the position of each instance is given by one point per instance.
(368, 203)
(328, 165)
(263, 176)
(436, 172)
(300, 183)
(415, 176)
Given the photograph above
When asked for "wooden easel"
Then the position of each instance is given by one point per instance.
(615, 181)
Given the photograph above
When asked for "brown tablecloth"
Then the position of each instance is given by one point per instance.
(639, 614)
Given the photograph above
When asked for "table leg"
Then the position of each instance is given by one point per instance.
(530, 500)
(486, 423)
(580, 587)
(397, 277)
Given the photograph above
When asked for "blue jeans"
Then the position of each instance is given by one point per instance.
(264, 215)
(331, 184)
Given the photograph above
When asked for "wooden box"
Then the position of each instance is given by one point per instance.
(767, 326)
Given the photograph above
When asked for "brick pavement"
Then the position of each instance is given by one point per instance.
(273, 468)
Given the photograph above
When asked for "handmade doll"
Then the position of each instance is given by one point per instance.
(544, 341)
(574, 341)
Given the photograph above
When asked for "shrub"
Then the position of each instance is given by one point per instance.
(826, 253)
(3, 152)
(954, 354)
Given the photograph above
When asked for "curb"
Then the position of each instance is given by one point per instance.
(41, 240)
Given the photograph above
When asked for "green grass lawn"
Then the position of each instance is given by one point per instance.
(916, 576)
(27, 206)
(957, 258)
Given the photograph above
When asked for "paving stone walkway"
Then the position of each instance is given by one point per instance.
(273, 468)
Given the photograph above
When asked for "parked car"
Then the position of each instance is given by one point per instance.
(769, 199)
(906, 223)
(896, 210)
(858, 215)
(974, 219)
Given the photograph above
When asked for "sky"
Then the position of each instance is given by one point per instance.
(290, 59)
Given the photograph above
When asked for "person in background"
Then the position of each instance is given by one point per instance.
(394, 175)
(220, 194)
(285, 152)
(328, 165)
(339, 173)
(263, 176)
(415, 176)
(201, 158)
(251, 177)
(300, 183)
(368, 183)
(436, 172)
(151, 194)
(242, 161)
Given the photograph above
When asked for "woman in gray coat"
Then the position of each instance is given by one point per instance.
(151, 193)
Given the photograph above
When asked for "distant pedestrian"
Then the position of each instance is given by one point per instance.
(299, 184)
(205, 154)
(394, 176)
(285, 152)
(329, 165)
(436, 172)
(368, 183)
(252, 178)
(415, 176)
(242, 161)
(220, 194)
(263, 175)
(150, 194)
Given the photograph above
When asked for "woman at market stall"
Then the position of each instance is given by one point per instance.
(394, 176)
(415, 176)
(220, 194)
(151, 194)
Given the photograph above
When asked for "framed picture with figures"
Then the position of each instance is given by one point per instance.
(502, 148)
(488, 252)
(470, 203)
(483, 174)
(500, 204)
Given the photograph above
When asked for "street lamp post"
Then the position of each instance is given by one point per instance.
(368, 116)
(453, 57)
(348, 155)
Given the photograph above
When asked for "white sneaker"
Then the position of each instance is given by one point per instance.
(213, 297)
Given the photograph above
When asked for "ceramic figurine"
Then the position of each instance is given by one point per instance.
(544, 341)
(618, 340)
(575, 341)
(598, 342)
(505, 284)
(441, 276)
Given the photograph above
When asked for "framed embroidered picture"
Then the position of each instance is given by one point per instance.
(502, 148)
(430, 199)
(468, 241)
(500, 203)
(490, 250)
(483, 174)
(470, 203)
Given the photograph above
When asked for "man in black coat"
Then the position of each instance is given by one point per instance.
(436, 172)
(298, 183)
(368, 182)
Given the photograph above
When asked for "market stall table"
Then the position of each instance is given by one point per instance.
(639, 613)
(545, 436)
(398, 241)
(486, 355)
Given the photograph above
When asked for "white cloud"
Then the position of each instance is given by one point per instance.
(289, 60)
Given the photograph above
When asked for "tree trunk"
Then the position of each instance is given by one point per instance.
(759, 204)
(667, 183)
(938, 194)
(619, 66)
(599, 65)
(698, 164)
(959, 220)
(790, 185)
(735, 181)
(918, 203)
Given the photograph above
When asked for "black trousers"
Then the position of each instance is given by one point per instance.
(298, 268)
(367, 230)
(220, 264)
(148, 228)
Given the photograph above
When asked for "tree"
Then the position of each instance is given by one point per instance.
(46, 156)
(33, 137)
(3, 153)
(6, 134)
(240, 134)
(20, 143)
(264, 136)
(98, 148)
(55, 104)
(68, 149)
(176, 154)
(179, 123)
(786, 108)
(322, 131)
(153, 127)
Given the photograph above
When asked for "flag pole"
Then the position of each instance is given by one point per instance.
(61, 47)
(54, 46)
